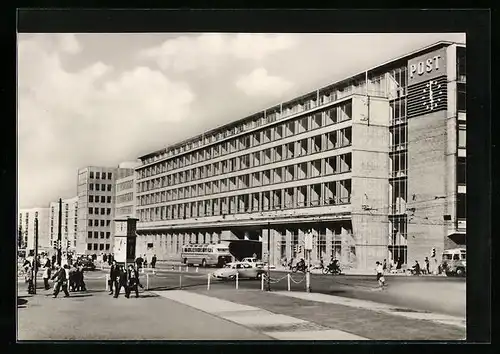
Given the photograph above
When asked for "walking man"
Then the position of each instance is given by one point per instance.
(61, 281)
(380, 274)
(133, 282)
(145, 261)
(139, 261)
(427, 266)
(153, 261)
(113, 274)
(29, 279)
(121, 281)
(46, 275)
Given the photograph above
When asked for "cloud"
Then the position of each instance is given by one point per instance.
(259, 83)
(213, 50)
(92, 116)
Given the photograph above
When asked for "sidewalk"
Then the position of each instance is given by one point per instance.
(360, 321)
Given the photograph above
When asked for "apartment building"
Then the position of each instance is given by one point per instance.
(96, 208)
(69, 224)
(373, 165)
(26, 228)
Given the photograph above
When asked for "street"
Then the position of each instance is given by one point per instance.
(349, 305)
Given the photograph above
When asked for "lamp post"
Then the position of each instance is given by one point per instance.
(59, 234)
(268, 256)
(35, 260)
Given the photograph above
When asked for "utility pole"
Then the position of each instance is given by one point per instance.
(268, 256)
(35, 261)
(59, 234)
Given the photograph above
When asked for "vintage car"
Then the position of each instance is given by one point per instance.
(243, 269)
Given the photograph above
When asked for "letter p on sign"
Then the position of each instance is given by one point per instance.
(413, 69)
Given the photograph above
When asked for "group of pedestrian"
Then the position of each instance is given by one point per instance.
(143, 261)
(124, 278)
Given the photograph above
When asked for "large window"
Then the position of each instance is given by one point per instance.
(461, 97)
(461, 171)
(461, 206)
(461, 69)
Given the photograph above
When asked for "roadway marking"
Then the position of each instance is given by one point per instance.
(378, 307)
(276, 326)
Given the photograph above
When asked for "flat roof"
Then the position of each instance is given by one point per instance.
(348, 78)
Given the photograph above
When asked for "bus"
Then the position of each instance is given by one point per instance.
(206, 254)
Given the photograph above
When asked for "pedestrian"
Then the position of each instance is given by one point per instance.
(139, 261)
(133, 282)
(73, 278)
(153, 261)
(112, 276)
(416, 268)
(54, 259)
(29, 279)
(145, 261)
(61, 281)
(399, 263)
(254, 255)
(46, 275)
(427, 266)
(80, 285)
(120, 281)
(380, 274)
(384, 266)
(105, 258)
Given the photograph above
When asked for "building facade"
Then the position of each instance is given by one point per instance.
(125, 197)
(96, 207)
(26, 228)
(69, 224)
(373, 165)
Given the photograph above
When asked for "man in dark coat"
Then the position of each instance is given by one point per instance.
(113, 273)
(133, 281)
(61, 281)
(120, 281)
(153, 261)
(139, 261)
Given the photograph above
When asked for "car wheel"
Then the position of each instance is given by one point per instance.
(203, 263)
(460, 272)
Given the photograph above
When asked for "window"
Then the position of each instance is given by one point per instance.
(97, 175)
(90, 222)
(102, 223)
(461, 99)
(96, 211)
(108, 234)
(91, 174)
(89, 247)
(103, 210)
(462, 138)
(461, 206)
(102, 234)
(90, 210)
(95, 246)
(97, 186)
(108, 222)
(108, 211)
(89, 234)
(110, 175)
(91, 187)
(107, 247)
(96, 234)
(91, 198)
(461, 171)
(103, 199)
(108, 199)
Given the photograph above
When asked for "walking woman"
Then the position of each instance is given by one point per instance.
(46, 276)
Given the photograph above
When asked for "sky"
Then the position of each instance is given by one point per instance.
(102, 99)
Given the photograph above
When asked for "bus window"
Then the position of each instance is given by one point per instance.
(456, 257)
(462, 255)
(446, 256)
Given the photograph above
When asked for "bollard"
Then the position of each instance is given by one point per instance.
(236, 281)
(208, 282)
(180, 270)
(262, 282)
(147, 281)
(196, 269)
(187, 268)
(107, 282)
(308, 282)
(180, 281)
(288, 276)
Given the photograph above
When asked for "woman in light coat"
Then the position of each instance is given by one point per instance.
(46, 277)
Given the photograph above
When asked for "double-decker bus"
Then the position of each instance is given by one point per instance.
(205, 254)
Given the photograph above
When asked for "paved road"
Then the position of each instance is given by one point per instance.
(94, 315)
(435, 294)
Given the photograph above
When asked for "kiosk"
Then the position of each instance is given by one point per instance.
(125, 241)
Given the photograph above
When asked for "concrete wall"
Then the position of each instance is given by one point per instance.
(370, 171)
(427, 184)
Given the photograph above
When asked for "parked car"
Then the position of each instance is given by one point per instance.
(87, 264)
(243, 269)
(254, 262)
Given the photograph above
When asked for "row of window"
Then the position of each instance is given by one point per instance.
(125, 210)
(125, 185)
(98, 175)
(124, 198)
(102, 187)
(96, 234)
(104, 211)
(103, 199)
(333, 115)
(295, 172)
(316, 144)
(320, 194)
(98, 246)
(100, 222)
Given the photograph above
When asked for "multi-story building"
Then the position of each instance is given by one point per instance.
(26, 227)
(373, 165)
(96, 206)
(125, 197)
(69, 224)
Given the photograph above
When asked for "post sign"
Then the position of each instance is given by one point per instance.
(427, 66)
(125, 240)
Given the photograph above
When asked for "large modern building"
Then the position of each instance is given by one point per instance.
(373, 164)
(96, 207)
(26, 227)
(69, 224)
